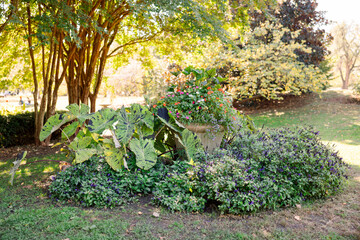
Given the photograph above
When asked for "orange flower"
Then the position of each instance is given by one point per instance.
(164, 104)
(225, 111)
(208, 87)
(209, 92)
(220, 89)
(221, 105)
(205, 99)
(217, 98)
(234, 118)
(162, 97)
(202, 96)
(154, 106)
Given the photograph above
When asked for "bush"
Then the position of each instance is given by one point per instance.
(356, 88)
(17, 129)
(265, 170)
(94, 183)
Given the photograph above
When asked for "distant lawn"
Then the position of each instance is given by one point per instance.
(27, 213)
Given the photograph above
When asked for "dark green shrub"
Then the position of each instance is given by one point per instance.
(264, 170)
(94, 183)
(17, 129)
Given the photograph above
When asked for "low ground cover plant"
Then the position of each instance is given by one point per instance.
(262, 170)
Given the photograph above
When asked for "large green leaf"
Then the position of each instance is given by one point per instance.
(82, 155)
(172, 124)
(70, 130)
(80, 112)
(53, 124)
(144, 151)
(125, 127)
(191, 143)
(114, 157)
(80, 142)
(142, 115)
(101, 120)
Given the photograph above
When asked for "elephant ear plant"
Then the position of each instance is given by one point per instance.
(134, 129)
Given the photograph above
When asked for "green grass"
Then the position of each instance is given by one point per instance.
(27, 213)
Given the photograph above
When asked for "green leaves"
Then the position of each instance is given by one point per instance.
(145, 152)
(114, 157)
(191, 143)
(101, 120)
(125, 127)
(53, 124)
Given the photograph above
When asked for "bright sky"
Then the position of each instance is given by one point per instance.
(340, 10)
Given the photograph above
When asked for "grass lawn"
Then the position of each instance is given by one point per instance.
(27, 213)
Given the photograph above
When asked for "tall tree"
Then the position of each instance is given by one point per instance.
(299, 15)
(109, 28)
(75, 38)
(346, 50)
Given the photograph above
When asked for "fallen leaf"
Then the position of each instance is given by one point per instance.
(297, 218)
(156, 214)
(140, 213)
(298, 206)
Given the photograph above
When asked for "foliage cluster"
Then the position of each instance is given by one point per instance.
(17, 129)
(257, 171)
(356, 88)
(262, 170)
(95, 183)
(199, 100)
(298, 15)
(134, 129)
(269, 70)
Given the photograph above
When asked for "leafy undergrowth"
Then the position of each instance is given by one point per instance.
(27, 213)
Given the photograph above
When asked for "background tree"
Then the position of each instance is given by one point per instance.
(299, 15)
(270, 70)
(346, 50)
(8, 11)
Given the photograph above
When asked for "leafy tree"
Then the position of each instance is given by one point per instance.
(269, 70)
(8, 10)
(298, 15)
(74, 39)
(346, 50)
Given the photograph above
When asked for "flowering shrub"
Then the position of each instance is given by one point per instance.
(199, 100)
(258, 171)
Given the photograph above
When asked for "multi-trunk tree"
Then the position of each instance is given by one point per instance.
(72, 40)
(346, 50)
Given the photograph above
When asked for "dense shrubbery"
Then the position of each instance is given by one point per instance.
(17, 129)
(256, 171)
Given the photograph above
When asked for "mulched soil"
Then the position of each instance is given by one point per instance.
(289, 102)
(32, 151)
(261, 105)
